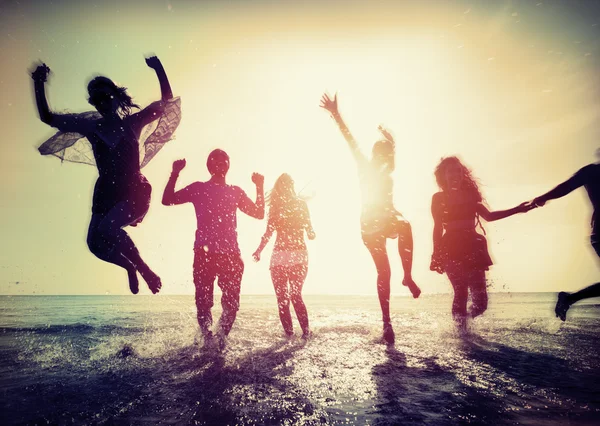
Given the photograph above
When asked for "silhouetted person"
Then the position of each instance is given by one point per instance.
(379, 219)
(216, 250)
(289, 217)
(122, 193)
(458, 249)
(589, 177)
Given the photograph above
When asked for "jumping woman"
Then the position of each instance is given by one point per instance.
(289, 217)
(379, 219)
(458, 250)
(122, 193)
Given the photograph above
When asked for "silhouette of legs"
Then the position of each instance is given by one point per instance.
(405, 249)
(108, 241)
(565, 300)
(204, 279)
(462, 280)
(479, 296)
(376, 246)
(280, 277)
(297, 277)
(230, 271)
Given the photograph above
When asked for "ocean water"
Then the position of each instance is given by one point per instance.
(132, 360)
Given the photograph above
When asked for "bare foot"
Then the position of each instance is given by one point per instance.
(412, 286)
(134, 284)
(151, 279)
(562, 305)
(388, 333)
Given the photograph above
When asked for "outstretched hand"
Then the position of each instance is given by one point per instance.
(386, 134)
(329, 104)
(178, 165)
(525, 207)
(153, 62)
(41, 73)
(258, 179)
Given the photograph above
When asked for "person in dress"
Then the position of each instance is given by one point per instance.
(459, 250)
(379, 218)
(290, 219)
(110, 139)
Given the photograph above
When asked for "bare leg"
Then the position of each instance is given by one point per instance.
(204, 281)
(279, 276)
(405, 249)
(297, 278)
(109, 242)
(103, 250)
(479, 296)
(378, 252)
(459, 280)
(565, 300)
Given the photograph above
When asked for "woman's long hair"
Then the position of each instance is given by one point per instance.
(281, 195)
(468, 182)
(126, 103)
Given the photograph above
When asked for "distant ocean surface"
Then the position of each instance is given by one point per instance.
(131, 360)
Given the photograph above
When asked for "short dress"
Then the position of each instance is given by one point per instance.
(461, 245)
(290, 224)
(119, 175)
(378, 218)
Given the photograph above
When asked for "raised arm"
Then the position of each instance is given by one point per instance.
(501, 214)
(63, 122)
(40, 76)
(254, 209)
(437, 263)
(149, 114)
(170, 197)
(571, 184)
(332, 106)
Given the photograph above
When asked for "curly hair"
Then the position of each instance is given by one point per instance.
(468, 181)
(126, 103)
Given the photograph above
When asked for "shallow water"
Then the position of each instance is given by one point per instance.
(131, 359)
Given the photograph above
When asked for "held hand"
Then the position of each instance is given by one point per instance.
(538, 202)
(256, 256)
(525, 207)
(258, 179)
(178, 165)
(153, 62)
(328, 104)
(41, 73)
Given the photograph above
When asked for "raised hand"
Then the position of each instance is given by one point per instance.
(153, 62)
(329, 104)
(258, 179)
(41, 73)
(178, 165)
(386, 134)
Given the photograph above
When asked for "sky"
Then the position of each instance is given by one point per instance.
(511, 87)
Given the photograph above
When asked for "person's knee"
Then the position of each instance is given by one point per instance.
(97, 242)
(297, 299)
(384, 274)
